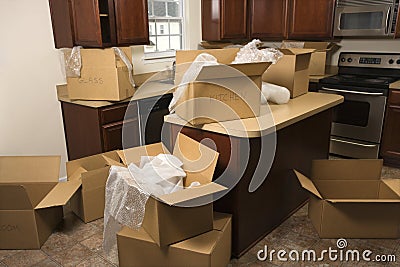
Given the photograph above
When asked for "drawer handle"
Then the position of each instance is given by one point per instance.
(352, 143)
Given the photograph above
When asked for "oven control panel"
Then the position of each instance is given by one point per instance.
(378, 60)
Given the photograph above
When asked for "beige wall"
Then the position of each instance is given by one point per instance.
(30, 116)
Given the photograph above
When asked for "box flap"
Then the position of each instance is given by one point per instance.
(23, 169)
(98, 58)
(196, 157)
(112, 162)
(220, 220)
(14, 197)
(351, 169)
(60, 194)
(95, 178)
(221, 71)
(393, 184)
(363, 200)
(76, 176)
(133, 155)
(296, 51)
(224, 56)
(191, 193)
(307, 184)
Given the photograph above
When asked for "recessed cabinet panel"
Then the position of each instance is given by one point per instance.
(234, 19)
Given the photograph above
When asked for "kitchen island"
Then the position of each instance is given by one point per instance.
(301, 131)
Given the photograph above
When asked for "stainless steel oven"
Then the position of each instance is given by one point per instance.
(364, 81)
(366, 18)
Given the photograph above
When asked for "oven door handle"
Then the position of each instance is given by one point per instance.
(351, 92)
(352, 143)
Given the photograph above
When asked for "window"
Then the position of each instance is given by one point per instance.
(165, 25)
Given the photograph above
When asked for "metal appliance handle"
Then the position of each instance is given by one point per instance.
(388, 24)
(351, 92)
(352, 143)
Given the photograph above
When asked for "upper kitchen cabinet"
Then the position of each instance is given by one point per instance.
(311, 19)
(224, 19)
(99, 23)
(268, 19)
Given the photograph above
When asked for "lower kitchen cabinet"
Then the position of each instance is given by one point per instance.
(390, 150)
(93, 129)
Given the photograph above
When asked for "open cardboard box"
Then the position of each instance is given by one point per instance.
(318, 57)
(291, 71)
(31, 200)
(104, 76)
(166, 221)
(92, 174)
(212, 249)
(243, 100)
(348, 199)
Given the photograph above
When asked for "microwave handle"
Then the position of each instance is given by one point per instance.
(351, 92)
(388, 24)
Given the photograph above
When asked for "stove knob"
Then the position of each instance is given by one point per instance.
(349, 60)
(398, 62)
(343, 59)
(391, 61)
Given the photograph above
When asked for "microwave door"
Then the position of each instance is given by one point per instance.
(363, 21)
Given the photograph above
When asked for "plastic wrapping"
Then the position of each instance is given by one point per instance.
(190, 75)
(72, 62)
(251, 54)
(274, 93)
(127, 62)
(128, 189)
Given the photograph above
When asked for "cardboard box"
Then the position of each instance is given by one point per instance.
(318, 57)
(92, 173)
(166, 222)
(243, 102)
(350, 200)
(31, 200)
(104, 76)
(291, 71)
(136, 248)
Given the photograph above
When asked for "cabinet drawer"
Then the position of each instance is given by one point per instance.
(116, 113)
(394, 98)
(112, 135)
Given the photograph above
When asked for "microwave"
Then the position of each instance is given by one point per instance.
(366, 18)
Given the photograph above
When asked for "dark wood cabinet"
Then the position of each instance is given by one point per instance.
(390, 149)
(311, 19)
(224, 19)
(99, 23)
(268, 19)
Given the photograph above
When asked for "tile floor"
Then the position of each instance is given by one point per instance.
(77, 244)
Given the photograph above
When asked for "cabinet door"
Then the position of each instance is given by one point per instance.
(391, 134)
(211, 20)
(61, 20)
(311, 19)
(268, 19)
(233, 19)
(397, 32)
(87, 24)
(112, 135)
(132, 22)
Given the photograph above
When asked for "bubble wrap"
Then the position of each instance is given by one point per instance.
(274, 93)
(72, 62)
(125, 205)
(251, 54)
(190, 75)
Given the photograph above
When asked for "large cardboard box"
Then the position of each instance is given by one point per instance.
(229, 86)
(318, 57)
(212, 249)
(166, 221)
(31, 200)
(92, 173)
(348, 199)
(104, 76)
(291, 71)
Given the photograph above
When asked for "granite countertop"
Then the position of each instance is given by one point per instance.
(395, 85)
(329, 71)
(296, 110)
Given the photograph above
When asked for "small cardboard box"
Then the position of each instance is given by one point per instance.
(291, 71)
(318, 58)
(166, 222)
(92, 173)
(228, 86)
(212, 249)
(104, 76)
(31, 200)
(349, 199)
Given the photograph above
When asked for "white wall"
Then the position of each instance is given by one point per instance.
(30, 115)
